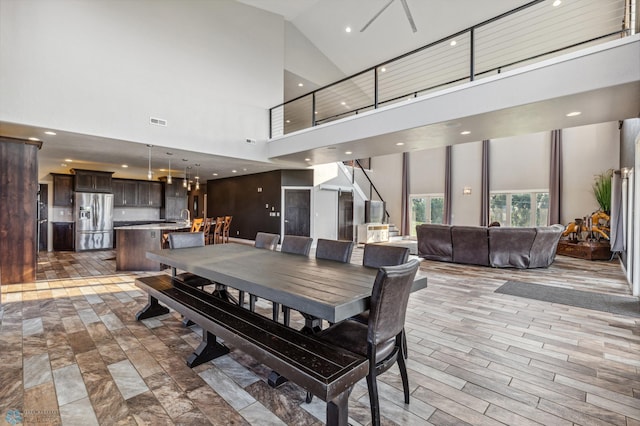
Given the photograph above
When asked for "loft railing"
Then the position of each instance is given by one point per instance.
(535, 31)
(372, 187)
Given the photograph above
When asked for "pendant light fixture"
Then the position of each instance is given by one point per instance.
(149, 172)
(186, 177)
(169, 178)
(188, 180)
(197, 178)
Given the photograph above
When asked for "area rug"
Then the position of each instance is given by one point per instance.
(621, 305)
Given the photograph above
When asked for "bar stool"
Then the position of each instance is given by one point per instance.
(225, 228)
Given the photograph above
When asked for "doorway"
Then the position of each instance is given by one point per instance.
(43, 218)
(345, 215)
(297, 212)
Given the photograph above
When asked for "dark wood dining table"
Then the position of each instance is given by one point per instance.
(320, 288)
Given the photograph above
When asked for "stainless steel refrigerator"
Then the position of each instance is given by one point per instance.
(93, 214)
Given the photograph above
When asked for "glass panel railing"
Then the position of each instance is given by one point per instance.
(539, 30)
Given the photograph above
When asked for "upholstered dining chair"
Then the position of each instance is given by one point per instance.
(264, 241)
(292, 244)
(381, 339)
(375, 256)
(178, 240)
(335, 250)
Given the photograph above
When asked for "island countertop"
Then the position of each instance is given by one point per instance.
(168, 226)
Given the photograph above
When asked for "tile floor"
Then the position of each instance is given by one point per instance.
(73, 353)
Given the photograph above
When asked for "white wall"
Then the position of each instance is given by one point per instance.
(520, 162)
(426, 171)
(586, 152)
(210, 68)
(466, 168)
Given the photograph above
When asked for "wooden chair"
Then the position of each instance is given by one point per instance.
(381, 339)
(197, 224)
(225, 228)
(217, 230)
(206, 230)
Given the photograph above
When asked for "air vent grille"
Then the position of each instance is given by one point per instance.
(158, 121)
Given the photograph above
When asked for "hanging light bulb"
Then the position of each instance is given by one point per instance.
(169, 179)
(188, 180)
(186, 177)
(149, 173)
(197, 178)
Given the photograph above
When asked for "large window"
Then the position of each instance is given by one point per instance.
(426, 209)
(519, 209)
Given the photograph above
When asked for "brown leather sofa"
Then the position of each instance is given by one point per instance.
(498, 247)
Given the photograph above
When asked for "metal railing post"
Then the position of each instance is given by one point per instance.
(313, 109)
(375, 88)
(472, 55)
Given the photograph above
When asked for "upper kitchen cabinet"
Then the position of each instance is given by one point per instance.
(175, 189)
(149, 194)
(125, 193)
(92, 181)
(62, 190)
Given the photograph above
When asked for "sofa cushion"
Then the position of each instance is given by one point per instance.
(470, 245)
(510, 247)
(543, 250)
(434, 242)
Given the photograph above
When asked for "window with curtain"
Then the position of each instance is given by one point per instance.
(425, 208)
(519, 209)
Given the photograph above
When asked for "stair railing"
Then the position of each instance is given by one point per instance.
(371, 187)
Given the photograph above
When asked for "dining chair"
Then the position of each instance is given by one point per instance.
(292, 244)
(225, 228)
(196, 224)
(375, 256)
(263, 241)
(381, 339)
(335, 250)
(178, 240)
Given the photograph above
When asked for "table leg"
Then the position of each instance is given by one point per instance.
(312, 325)
(275, 379)
(152, 309)
(338, 409)
(208, 350)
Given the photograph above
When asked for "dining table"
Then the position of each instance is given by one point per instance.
(322, 289)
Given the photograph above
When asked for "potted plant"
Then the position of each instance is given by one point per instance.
(602, 190)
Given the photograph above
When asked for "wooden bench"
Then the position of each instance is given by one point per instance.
(324, 370)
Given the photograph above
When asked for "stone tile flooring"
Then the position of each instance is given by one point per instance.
(73, 353)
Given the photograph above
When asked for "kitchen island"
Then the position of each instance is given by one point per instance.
(133, 242)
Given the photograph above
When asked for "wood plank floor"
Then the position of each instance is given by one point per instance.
(72, 353)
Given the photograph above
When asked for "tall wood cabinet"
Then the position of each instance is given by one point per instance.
(62, 190)
(18, 211)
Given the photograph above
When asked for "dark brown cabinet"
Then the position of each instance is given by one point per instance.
(149, 194)
(62, 190)
(136, 193)
(63, 236)
(92, 181)
(175, 200)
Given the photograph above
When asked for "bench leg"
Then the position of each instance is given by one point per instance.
(208, 350)
(312, 325)
(152, 309)
(338, 410)
(275, 379)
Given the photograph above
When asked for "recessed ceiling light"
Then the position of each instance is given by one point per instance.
(453, 43)
(124, 166)
(557, 3)
(383, 69)
(307, 159)
(348, 152)
(315, 112)
(215, 174)
(34, 139)
(573, 113)
(49, 132)
(343, 103)
(348, 29)
(63, 165)
(400, 144)
(244, 170)
(300, 84)
(234, 171)
(466, 132)
(288, 121)
(68, 160)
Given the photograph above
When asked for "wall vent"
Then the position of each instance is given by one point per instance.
(251, 141)
(158, 121)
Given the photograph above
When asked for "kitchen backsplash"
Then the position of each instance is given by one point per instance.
(62, 214)
(121, 214)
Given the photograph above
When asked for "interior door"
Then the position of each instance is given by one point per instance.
(345, 216)
(297, 214)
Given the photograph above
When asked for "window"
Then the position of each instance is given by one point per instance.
(426, 209)
(519, 209)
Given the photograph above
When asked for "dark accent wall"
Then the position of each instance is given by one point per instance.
(246, 199)
(629, 132)
(18, 210)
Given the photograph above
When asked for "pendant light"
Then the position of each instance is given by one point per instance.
(169, 178)
(149, 172)
(197, 178)
(186, 178)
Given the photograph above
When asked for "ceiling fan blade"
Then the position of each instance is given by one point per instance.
(409, 17)
(376, 15)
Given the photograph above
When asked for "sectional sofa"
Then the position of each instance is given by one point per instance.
(499, 247)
